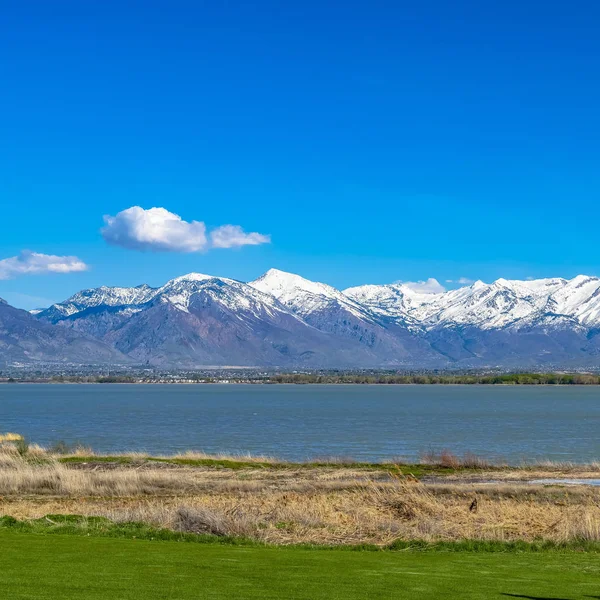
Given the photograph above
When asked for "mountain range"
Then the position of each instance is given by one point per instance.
(284, 320)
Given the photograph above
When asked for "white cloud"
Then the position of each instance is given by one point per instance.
(34, 263)
(430, 286)
(461, 280)
(233, 236)
(158, 230)
(154, 229)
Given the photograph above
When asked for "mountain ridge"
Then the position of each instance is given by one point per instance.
(25, 339)
(283, 319)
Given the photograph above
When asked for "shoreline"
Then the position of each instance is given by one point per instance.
(255, 377)
(265, 383)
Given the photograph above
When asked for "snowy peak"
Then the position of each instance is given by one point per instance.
(190, 277)
(503, 303)
(579, 298)
(112, 296)
(388, 300)
(396, 301)
(96, 297)
(179, 292)
(282, 284)
(232, 294)
(303, 296)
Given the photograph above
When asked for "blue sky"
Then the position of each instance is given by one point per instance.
(372, 141)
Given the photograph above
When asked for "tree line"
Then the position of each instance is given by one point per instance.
(499, 379)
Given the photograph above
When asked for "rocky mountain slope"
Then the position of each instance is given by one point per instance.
(25, 339)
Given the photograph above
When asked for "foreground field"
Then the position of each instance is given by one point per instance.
(135, 527)
(47, 567)
(327, 503)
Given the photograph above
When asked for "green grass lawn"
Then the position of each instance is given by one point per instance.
(64, 567)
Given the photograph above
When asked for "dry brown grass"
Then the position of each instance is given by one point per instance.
(82, 451)
(449, 460)
(333, 505)
(375, 513)
(249, 458)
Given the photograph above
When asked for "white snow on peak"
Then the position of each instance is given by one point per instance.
(395, 300)
(112, 296)
(279, 283)
(429, 287)
(241, 299)
(579, 298)
(503, 303)
(304, 296)
(190, 277)
(552, 302)
(179, 291)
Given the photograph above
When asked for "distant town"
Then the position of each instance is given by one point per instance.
(52, 373)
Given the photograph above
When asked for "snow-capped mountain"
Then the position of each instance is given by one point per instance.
(505, 323)
(102, 296)
(196, 321)
(199, 320)
(305, 297)
(282, 319)
(497, 305)
(329, 310)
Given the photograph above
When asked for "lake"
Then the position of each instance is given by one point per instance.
(365, 422)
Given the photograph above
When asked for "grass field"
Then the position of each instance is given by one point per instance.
(193, 526)
(50, 567)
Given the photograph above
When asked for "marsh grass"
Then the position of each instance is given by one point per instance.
(282, 503)
(448, 460)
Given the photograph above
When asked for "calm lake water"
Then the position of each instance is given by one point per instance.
(299, 422)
